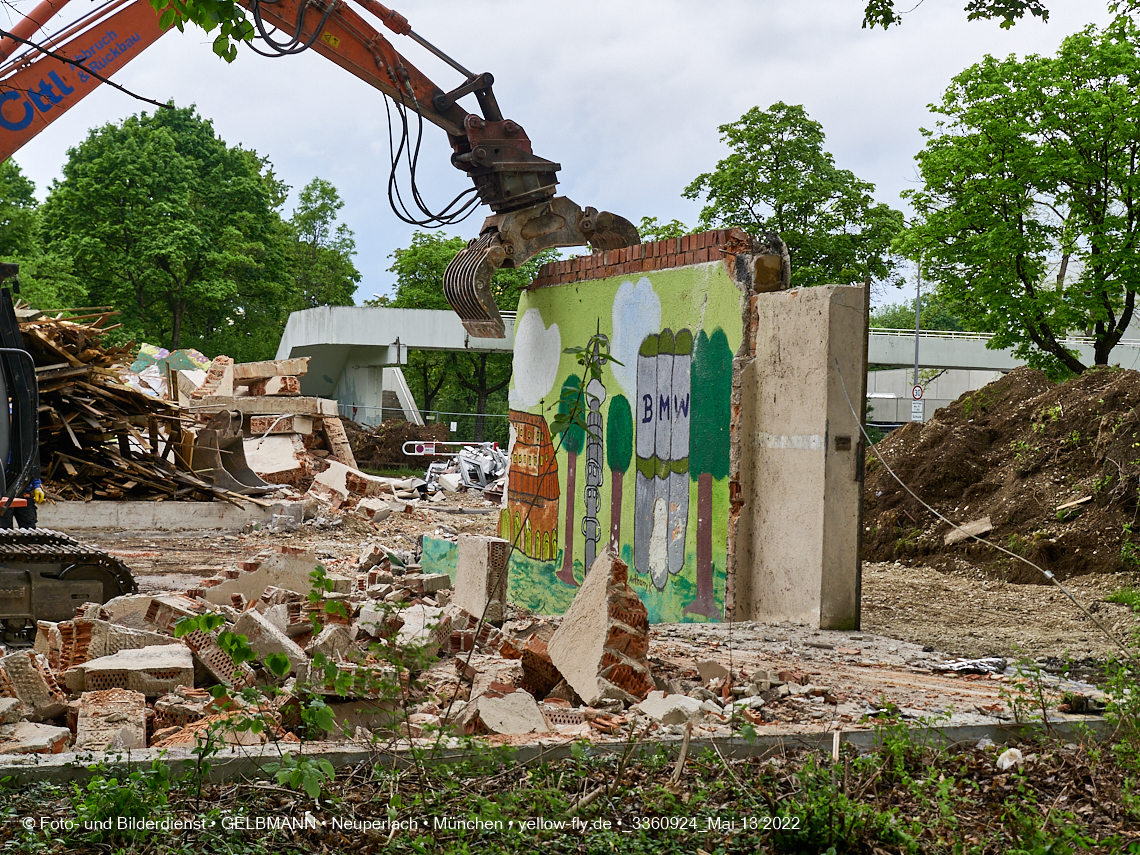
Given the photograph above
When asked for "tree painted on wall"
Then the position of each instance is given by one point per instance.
(573, 441)
(619, 453)
(708, 451)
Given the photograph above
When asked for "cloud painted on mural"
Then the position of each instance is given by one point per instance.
(537, 351)
(637, 313)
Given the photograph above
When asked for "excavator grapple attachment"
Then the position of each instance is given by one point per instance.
(510, 240)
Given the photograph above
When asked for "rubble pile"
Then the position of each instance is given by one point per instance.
(99, 437)
(117, 676)
(382, 447)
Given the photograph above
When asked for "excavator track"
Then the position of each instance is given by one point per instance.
(41, 546)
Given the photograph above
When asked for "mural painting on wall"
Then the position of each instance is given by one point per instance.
(657, 426)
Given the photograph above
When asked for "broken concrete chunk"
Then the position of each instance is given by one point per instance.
(516, 712)
(112, 718)
(266, 639)
(425, 626)
(262, 425)
(153, 671)
(496, 672)
(334, 641)
(710, 670)
(180, 707)
(427, 583)
(376, 510)
(128, 610)
(31, 679)
(26, 737)
(285, 568)
(670, 709)
(11, 710)
(219, 380)
(247, 372)
(277, 459)
(601, 645)
(481, 576)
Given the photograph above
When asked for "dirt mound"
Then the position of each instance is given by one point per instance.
(382, 447)
(1016, 451)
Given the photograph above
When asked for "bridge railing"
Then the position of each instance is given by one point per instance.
(972, 336)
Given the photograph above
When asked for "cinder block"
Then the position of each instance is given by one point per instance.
(266, 639)
(153, 671)
(481, 576)
(111, 719)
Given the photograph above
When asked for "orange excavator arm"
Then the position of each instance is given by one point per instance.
(494, 152)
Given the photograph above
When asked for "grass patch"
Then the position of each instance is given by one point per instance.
(1126, 596)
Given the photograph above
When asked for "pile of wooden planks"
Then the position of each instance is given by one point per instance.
(100, 438)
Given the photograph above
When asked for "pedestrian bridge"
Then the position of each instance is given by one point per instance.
(937, 349)
(355, 351)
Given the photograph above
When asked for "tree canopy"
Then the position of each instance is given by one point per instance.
(779, 178)
(322, 267)
(1030, 213)
(900, 316)
(167, 223)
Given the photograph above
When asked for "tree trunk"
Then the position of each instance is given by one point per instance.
(566, 574)
(479, 412)
(176, 332)
(616, 479)
(705, 601)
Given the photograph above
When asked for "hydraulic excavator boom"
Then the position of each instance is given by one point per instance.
(495, 153)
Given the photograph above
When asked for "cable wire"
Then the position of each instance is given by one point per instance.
(1047, 573)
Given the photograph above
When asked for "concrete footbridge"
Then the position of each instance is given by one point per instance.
(356, 352)
(959, 350)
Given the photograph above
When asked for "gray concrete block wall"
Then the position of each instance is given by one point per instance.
(797, 555)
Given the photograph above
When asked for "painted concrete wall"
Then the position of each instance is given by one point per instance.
(650, 475)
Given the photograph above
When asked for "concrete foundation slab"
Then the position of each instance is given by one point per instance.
(153, 516)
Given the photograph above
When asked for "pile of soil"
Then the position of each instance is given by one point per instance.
(1016, 451)
(382, 447)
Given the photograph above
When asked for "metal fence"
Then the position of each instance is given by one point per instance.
(461, 426)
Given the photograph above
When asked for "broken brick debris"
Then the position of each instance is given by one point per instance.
(602, 643)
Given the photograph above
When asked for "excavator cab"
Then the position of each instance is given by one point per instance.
(44, 575)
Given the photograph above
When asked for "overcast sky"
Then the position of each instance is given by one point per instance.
(625, 94)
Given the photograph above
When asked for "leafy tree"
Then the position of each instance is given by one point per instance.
(321, 262)
(709, 442)
(170, 225)
(882, 13)
(1030, 214)
(19, 221)
(619, 453)
(573, 442)
(779, 178)
(934, 315)
(650, 229)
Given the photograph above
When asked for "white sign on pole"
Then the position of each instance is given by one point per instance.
(917, 410)
(916, 393)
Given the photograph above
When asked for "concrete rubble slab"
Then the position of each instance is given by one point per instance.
(334, 641)
(337, 483)
(219, 380)
(670, 709)
(266, 639)
(27, 737)
(30, 679)
(277, 459)
(338, 442)
(500, 713)
(153, 671)
(481, 576)
(181, 707)
(111, 719)
(285, 568)
(76, 641)
(247, 372)
(302, 406)
(603, 640)
(11, 710)
(493, 671)
(376, 510)
(153, 516)
(425, 626)
(128, 610)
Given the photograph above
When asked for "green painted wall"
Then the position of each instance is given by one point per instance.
(674, 332)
